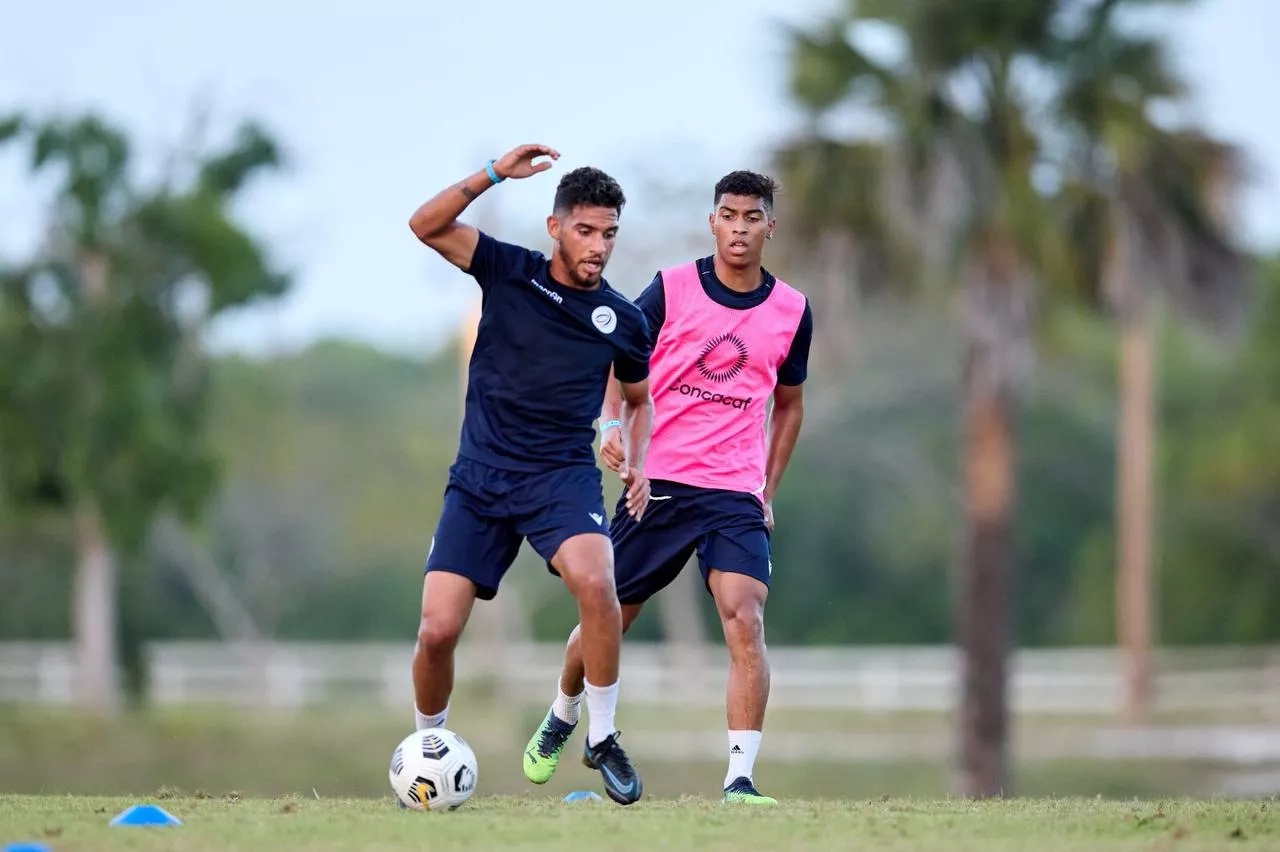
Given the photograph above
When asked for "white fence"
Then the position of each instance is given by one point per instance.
(1241, 681)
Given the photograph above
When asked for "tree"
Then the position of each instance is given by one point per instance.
(1149, 210)
(101, 364)
(951, 103)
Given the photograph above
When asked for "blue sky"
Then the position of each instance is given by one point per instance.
(385, 103)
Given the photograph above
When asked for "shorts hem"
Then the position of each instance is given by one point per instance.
(706, 576)
(560, 539)
(484, 591)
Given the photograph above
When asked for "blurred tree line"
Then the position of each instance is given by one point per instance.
(333, 459)
(1010, 423)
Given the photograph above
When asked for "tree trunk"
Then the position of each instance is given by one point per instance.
(94, 614)
(95, 610)
(1135, 511)
(984, 587)
(837, 310)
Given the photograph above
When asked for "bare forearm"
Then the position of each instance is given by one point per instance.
(784, 431)
(637, 429)
(611, 409)
(436, 215)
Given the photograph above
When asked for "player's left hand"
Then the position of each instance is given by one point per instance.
(768, 514)
(637, 490)
(519, 161)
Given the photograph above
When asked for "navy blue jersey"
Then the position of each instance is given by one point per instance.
(541, 361)
(792, 371)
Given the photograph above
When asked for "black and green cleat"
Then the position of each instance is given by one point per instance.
(542, 754)
(743, 792)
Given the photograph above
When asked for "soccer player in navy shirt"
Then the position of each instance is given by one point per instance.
(550, 332)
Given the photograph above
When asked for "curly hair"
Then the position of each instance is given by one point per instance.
(747, 183)
(588, 186)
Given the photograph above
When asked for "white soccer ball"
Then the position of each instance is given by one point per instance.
(433, 770)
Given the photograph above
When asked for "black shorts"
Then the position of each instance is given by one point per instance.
(725, 528)
(489, 511)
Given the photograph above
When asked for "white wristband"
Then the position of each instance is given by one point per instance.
(609, 424)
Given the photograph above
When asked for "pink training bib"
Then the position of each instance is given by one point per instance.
(712, 372)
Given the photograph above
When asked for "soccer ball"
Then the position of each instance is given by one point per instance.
(433, 770)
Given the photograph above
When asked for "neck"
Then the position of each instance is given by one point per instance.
(739, 279)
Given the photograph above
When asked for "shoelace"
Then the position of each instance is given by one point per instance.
(614, 753)
(552, 738)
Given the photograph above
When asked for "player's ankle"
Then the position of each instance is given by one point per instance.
(567, 708)
(430, 720)
(743, 747)
(602, 705)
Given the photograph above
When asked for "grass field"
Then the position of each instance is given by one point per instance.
(345, 754)
(298, 824)
(317, 780)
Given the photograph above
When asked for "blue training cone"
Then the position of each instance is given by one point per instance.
(26, 847)
(583, 796)
(145, 815)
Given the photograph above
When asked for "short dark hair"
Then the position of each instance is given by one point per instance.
(590, 186)
(747, 183)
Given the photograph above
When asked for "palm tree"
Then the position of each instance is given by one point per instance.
(100, 352)
(1149, 211)
(952, 105)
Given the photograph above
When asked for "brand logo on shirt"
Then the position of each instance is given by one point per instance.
(683, 388)
(604, 319)
(551, 294)
(723, 358)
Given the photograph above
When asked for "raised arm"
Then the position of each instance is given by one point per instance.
(436, 221)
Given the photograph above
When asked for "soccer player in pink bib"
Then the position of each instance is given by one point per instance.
(727, 335)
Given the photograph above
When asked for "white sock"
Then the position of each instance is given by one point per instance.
(566, 708)
(602, 704)
(435, 720)
(743, 746)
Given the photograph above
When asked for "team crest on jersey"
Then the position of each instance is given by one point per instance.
(604, 319)
(723, 358)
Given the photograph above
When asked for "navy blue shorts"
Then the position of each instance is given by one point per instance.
(488, 512)
(725, 528)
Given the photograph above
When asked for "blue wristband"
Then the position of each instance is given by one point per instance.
(493, 176)
(609, 424)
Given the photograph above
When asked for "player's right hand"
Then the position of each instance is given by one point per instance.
(518, 162)
(611, 450)
(637, 490)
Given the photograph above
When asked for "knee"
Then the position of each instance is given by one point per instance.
(743, 625)
(594, 588)
(438, 634)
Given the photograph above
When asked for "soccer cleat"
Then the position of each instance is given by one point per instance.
(621, 781)
(743, 792)
(542, 754)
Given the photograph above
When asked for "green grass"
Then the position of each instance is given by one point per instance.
(298, 824)
(345, 754)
